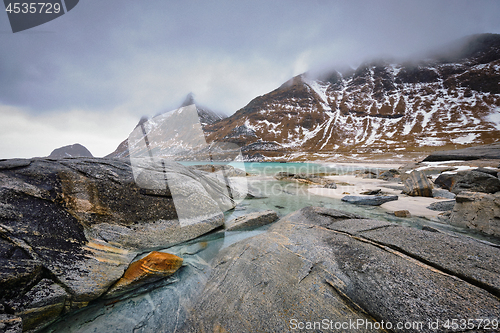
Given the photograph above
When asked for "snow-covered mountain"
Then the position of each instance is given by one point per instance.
(452, 100)
(172, 132)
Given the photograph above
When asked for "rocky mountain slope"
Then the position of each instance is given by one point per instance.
(154, 126)
(449, 101)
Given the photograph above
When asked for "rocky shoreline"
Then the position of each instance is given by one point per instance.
(69, 228)
(78, 232)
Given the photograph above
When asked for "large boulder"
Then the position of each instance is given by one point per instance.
(474, 181)
(417, 184)
(70, 227)
(478, 211)
(318, 268)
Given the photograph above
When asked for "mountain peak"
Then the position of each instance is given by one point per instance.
(75, 150)
(188, 100)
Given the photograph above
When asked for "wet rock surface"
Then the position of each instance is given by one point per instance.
(153, 267)
(319, 263)
(70, 227)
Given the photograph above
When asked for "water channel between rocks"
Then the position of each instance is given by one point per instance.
(163, 306)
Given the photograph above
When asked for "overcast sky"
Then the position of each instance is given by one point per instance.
(89, 75)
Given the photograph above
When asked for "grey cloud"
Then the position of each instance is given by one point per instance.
(102, 53)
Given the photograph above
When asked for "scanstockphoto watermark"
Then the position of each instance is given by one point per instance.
(353, 324)
(25, 15)
(437, 325)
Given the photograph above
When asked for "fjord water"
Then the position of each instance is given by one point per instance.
(163, 306)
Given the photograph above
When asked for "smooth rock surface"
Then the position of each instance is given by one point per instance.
(479, 211)
(369, 200)
(319, 263)
(473, 181)
(74, 225)
(417, 184)
(252, 220)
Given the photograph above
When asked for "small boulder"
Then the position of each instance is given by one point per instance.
(473, 181)
(369, 200)
(442, 206)
(442, 193)
(371, 192)
(402, 213)
(389, 174)
(330, 185)
(369, 174)
(417, 184)
(252, 220)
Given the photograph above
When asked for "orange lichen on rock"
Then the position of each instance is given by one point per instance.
(153, 267)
